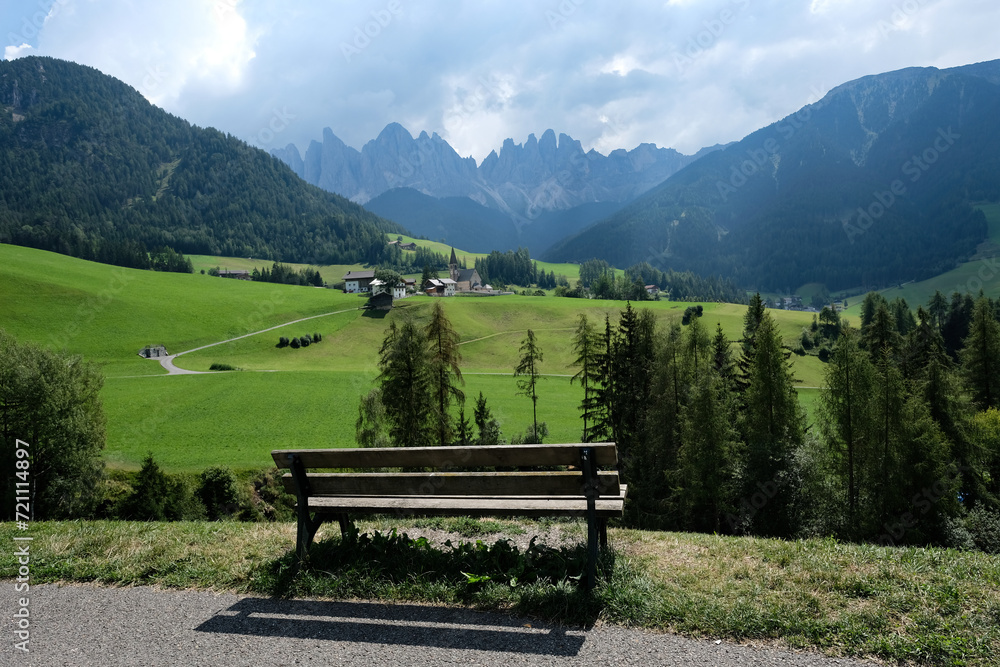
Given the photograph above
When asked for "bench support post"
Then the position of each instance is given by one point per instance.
(589, 466)
(307, 525)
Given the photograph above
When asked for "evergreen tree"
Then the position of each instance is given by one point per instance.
(938, 310)
(880, 336)
(705, 456)
(443, 358)
(722, 358)
(463, 430)
(604, 427)
(751, 322)
(848, 421)
(981, 356)
(405, 385)
(772, 431)
(371, 426)
(527, 369)
(489, 428)
(586, 347)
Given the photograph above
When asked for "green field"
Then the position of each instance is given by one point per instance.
(286, 397)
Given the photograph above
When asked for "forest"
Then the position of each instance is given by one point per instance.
(904, 447)
(89, 168)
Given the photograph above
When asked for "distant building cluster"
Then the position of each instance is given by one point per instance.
(467, 281)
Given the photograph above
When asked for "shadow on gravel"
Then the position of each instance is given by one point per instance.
(406, 625)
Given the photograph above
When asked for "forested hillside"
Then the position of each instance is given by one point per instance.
(875, 184)
(89, 168)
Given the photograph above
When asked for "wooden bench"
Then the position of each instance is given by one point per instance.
(455, 485)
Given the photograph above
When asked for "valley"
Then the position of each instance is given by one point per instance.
(306, 397)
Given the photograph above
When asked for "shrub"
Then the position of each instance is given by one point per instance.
(222, 367)
(984, 527)
(304, 341)
(268, 499)
(282, 342)
(316, 337)
(295, 344)
(219, 492)
(157, 496)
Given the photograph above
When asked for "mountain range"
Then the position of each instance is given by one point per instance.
(877, 183)
(529, 194)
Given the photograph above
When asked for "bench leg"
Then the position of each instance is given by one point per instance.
(345, 524)
(307, 527)
(602, 532)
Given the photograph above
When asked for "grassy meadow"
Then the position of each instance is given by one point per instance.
(286, 397)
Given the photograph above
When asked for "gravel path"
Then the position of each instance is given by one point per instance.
(87, 625)
(168, 362)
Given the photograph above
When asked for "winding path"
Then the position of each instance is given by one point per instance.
(168, 361)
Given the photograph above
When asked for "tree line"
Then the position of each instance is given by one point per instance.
(904, 446)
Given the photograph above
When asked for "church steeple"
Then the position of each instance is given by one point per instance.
(453, 266)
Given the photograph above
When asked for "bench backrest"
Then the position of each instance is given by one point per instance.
(446, 477)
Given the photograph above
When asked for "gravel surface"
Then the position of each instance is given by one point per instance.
(89, 625)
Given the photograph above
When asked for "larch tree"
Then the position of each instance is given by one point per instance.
(405, 385)
(848, 421)
(981, 356)
(528, 372)
(772, 431)
(586, 346)
(444, 374)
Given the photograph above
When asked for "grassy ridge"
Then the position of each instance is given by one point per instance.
(922, 606)
(189, 422)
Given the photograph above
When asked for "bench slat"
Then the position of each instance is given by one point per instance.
(448, 457)
(465, 506)
(454, 484)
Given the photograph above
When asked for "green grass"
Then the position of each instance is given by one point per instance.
(108, 313)
(921, 606)
(310, 399)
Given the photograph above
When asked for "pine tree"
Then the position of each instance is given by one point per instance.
(980, 356)
(880, 336)
(722, 358)
(586, 346)
(603, 428)
(705, 457)
(489, 428)
(772, 431)
(443, 358)
(527, 369)
(405, 385)
(848, 421)
(370, 428)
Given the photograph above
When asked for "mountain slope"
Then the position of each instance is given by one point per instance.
(465, 223)
(90, 168)
(871, 185)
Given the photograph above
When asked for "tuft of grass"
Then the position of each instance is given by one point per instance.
(923, 606)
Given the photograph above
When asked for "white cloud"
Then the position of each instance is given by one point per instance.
(12, 52)
(163, 50)
(607, 75)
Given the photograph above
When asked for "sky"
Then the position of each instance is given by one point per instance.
(683, 74)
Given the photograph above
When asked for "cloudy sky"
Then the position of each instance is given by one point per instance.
(678, 73)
